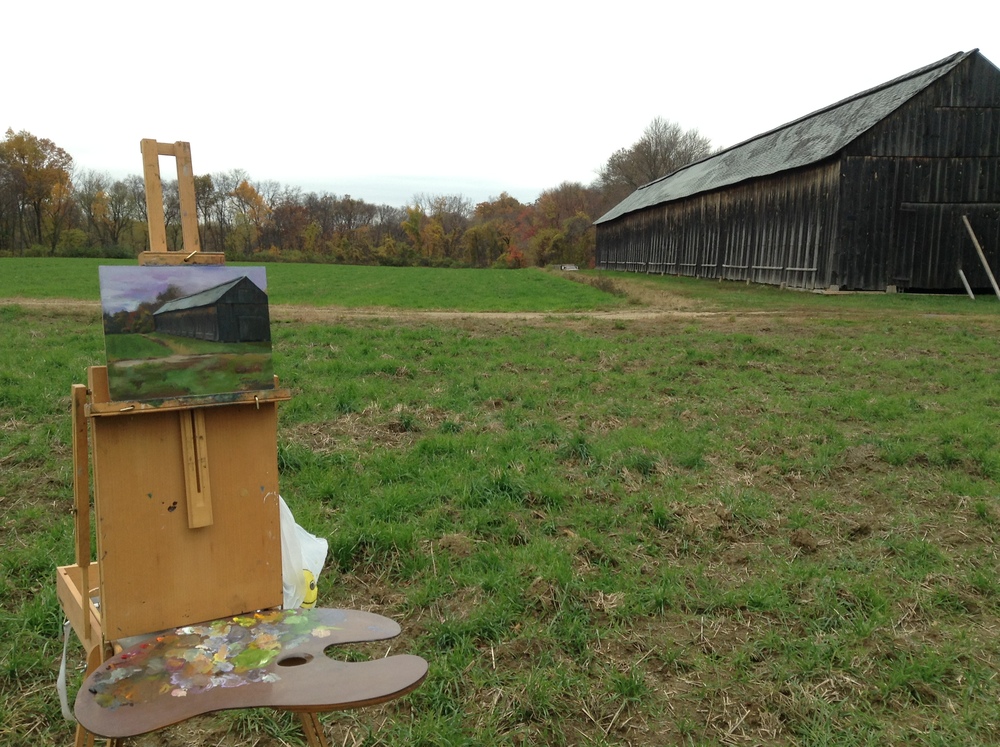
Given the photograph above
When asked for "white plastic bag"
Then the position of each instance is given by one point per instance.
(300, 551)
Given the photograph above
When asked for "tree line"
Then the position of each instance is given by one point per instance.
(47, 208)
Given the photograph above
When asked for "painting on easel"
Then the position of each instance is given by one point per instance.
(174, 332)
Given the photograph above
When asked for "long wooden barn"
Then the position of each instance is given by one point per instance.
(866, 194)
(231, 312)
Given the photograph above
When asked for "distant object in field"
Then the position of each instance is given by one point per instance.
(568, 268)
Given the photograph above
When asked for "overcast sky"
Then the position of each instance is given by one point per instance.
(385, 100)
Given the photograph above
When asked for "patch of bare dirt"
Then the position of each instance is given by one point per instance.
(458, 545)
(333, 314)
(372, 426)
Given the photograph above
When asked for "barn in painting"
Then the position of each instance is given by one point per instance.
(866, 194)
(231, 312)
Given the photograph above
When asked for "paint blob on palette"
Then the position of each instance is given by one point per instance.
(230, 652)
(172, 332)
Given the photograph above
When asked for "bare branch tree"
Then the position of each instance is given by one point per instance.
(663, 148)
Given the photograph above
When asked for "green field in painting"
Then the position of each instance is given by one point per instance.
(158, 366)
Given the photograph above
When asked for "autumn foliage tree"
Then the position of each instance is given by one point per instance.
(252, 215)
(500, 233)
(564, 217)
(108, 205)
(95, 214)
(34, 190)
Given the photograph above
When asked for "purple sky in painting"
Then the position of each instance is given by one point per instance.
(126, 287)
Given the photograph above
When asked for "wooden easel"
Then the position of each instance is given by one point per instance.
(161, 475)
(185, 500)
(158, 254)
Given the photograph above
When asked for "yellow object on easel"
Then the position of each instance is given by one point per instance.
(312, 593)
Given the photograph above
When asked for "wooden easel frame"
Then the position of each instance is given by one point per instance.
(158, 253)
(81, 587)
(105, 600)
(225, 545)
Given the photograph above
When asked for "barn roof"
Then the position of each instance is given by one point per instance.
(804, 141)
(206, 297)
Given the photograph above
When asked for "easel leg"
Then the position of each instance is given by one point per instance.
(84, 738)
(313, 729)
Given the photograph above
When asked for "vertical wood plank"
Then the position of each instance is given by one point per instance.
(198, 486)
(83, 738)
(81, 497)
(312, 728)
(154, 196)
(97, 382)
(185, 188)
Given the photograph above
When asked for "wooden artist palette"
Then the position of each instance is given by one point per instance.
(266, 659)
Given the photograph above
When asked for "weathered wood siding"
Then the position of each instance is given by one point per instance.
(885, 211)
(779, 230)
(908, 181)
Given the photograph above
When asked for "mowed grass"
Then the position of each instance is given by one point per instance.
(774, 527)
(419, 288)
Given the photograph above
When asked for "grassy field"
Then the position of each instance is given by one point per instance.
(338, 285)
(707, 515)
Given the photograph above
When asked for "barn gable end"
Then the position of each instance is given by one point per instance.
(865, 194)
